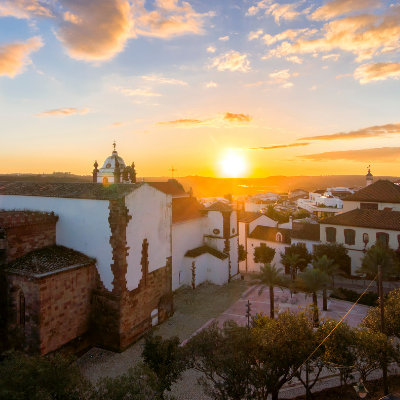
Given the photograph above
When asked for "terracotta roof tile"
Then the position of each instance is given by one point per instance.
(186, 209)
(206, 249)
(219, 206)
(11, 219)
(307, 232)
(376, 219)
(247, 216)
(168, 188)
(269, 234)
(91, 191)
(382, 191)
(49, 259)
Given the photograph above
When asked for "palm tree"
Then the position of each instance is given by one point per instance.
(293, 261)
(313, 281)
(271, 277)
(328, 266)
(379, 254)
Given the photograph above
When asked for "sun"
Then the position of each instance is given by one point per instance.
(233, 166)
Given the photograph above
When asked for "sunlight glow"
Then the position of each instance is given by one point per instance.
(233, 166)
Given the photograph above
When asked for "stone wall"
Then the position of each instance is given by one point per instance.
(24, 239)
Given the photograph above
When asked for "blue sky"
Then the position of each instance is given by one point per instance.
(279, 87)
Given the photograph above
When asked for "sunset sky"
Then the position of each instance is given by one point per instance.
(282, 88)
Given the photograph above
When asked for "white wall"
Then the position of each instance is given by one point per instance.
(352, 205)
(185, 236)
(83, 226)
(253, 243)
(309, 243)
(215, 221)
(151, 212)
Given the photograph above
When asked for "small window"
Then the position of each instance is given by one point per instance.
(314, 248)
(216, 231)
(105, 181)
(279, 237)
(331, 234)
(302, 244)
(368, 206)
(383, 238)
(350, 236)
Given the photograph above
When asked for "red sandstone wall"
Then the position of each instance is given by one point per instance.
(23, 239)
(65, 306)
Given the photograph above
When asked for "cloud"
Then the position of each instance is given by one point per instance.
(211, 49)
(255, 34)
(377, 72)
(372, 131)
(232, 61)
(72, 18)
(224, 39)
(280, 146)
(339, 7)
(24, 9)
(289, 34)
(211, 84)
(15, 56)
(281, 75)
(169, 19)
(377, 155)
(294, 59)
(161, 79)
(62, 112)
(333, 57)
(363, 35)
(285, 11)
(136, 92)
(286, 85)
(225, 120)
(117, 124)
(260, 5)
(313, 88)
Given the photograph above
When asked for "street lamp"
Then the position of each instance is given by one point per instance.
(360, 389)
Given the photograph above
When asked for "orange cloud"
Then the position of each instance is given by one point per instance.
(14, 56)
(24, 9)
(285, 11)
(232, 61)
(62, 112)
(255, 34)
(377, 72)
(339, 7)
(260, 5)
(237, 117)
(161, 79)
(377, 155)
(136, 92)
(289, 34)
(372, 131)
(279, 146)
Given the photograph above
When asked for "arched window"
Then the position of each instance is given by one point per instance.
(17, 306)
(105, 181)
(279, 237)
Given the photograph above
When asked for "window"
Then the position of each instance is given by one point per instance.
(302, 244)
(314, 248)
(331, 234)
(350, 236)
(383, 238)
(278, 237)
(368, 206)
(105, 181)
(145, 262)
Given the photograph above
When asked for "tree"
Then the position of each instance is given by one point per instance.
(242, 253)
(379, 254)
(336, 252)
(139, 383)
(392, 315)
(330, 268)
(224, 355)
(313, 281)
(271, 277)
(264, 254)
(41, 378)
(301, 251)
(301, 214)
(292, 261)
(165, 358)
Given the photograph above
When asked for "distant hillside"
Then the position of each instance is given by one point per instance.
(208, 187)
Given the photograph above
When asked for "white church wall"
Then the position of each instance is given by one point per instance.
(83, 226)
(218, 270)
(151, 213)
(185, 236)
(215, 221)
(263, 221)
(234, 255)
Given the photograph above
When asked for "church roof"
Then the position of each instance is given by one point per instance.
(382, 191)
(268, 233)
(375, 219)
(168, 188)
(205, 249)
(12, 219)
(49, 259)
(186, 209)
(90, 191)
(109, 163)
(248, 216)
(219, 206)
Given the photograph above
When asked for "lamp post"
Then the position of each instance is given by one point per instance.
(360, 389)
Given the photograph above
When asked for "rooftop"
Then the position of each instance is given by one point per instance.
(307, 232)
(169, 188)
(49, 259)
(186, 209)
(382, 191)
(268, 233)
(205, 249)
(90, 191)
(375, 219)
(11, 219)
(247, 216)
(219, 206)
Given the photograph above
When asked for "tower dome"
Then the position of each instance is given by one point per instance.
(369, 177)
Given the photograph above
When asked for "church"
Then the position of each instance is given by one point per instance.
(96, 264)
